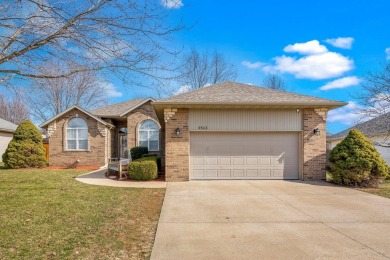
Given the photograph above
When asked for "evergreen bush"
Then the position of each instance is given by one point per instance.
(138, 151)
(355, 161)
(26, 148)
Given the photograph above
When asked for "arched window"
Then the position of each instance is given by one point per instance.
(149, 135)
(77, 134)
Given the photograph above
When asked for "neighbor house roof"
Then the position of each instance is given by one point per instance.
(120, 109)
(45, 124)
(6, 126)
(232, 93)
(377, 126)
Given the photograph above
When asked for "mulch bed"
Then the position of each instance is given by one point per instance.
(160, 178)
(79, 167)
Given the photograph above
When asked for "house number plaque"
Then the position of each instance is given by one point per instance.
(202, 127)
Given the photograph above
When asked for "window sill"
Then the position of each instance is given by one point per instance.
(69, 150)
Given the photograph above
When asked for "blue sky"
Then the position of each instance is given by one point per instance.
(321, 48)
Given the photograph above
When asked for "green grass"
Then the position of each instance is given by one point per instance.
(383, 189)
(47, 214)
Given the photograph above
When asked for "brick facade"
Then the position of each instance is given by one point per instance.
(314, 146)
(135, 118)
(98, 142)
(177, 155)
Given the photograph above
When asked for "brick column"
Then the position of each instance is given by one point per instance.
(314, 146)
(176, 147)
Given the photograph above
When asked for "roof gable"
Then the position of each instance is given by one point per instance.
(120, 109)
(43, 125)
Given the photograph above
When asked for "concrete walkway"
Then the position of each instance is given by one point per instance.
(98, 178)
(271, 220)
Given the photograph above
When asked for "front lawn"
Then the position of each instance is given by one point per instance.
(383, 189)
(47, 214)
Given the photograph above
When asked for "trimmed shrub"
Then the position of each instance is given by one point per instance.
(356, 161)
(26, 148)
(138, 151)
(143, 170)
(148, 155)
(153, 157)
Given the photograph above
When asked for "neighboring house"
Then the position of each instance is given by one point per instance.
(224, 131)
(376, 129)
(7, 130)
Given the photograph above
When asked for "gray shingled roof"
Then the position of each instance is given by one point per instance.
(118, 109)
(238, 93)
(377, 126)
(7, 126)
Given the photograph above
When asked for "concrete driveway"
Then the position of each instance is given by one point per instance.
(271, 220)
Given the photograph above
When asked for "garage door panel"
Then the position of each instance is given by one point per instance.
(198, 161)
(252, 161)
(264, 161)
(252, 173)
(211, 173)
(224, 174)
(211, 161)
(225, 161)
(198, 173)
(238, 160)
(265, 173)
(238, 173)
(277, 174)
(216, 155)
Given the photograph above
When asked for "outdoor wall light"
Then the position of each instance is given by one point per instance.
(317, 131)
(177, 131)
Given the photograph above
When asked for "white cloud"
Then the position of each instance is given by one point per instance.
(110, 90)
(341, 42)
(345, 115)
(387, 50)
(172, 4)
(341, 83)
(318, 66)
(252, 65)
(182, 89)
(317, 62)
(310, 47)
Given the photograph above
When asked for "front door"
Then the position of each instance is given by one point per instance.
(122, 139)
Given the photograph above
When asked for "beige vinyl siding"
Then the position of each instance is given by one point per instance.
(245, 120)
(5, 138)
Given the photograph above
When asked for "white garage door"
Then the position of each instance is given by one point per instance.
(223, 155)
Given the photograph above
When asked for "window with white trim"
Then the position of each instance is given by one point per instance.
(148, 135)
(77, 135)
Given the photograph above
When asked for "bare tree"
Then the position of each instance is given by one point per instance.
(50, 96)
(13, 109)
(375, 95)
(274, 81)
(374, 100)
(200, 69)
(125, 37)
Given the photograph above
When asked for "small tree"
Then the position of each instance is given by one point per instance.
(26, 148)
(274, 81)
(356, 161)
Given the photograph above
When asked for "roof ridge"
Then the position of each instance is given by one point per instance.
(233, 84)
